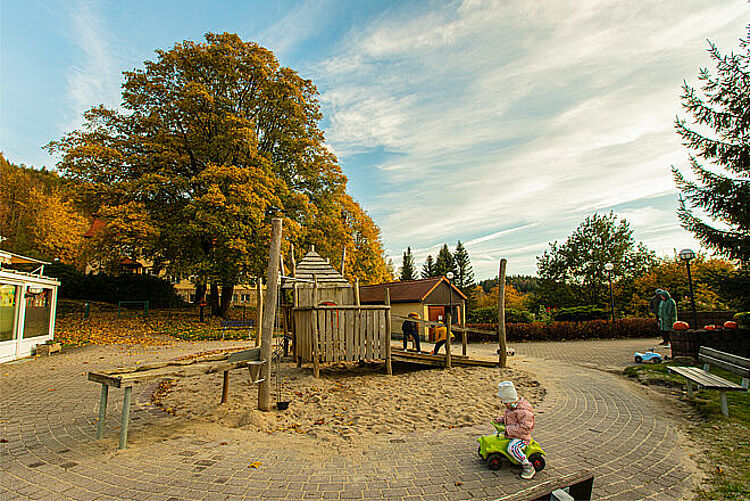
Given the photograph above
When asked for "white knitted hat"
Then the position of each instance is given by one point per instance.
(506, 390)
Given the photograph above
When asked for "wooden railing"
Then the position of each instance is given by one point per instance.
(343, 334)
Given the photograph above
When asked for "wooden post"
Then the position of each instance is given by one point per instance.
(388, 364)
(225, 388)
(100, 425)
(125, 421)
(269, 312)
(464, 335)
(315, 340)
(258, 308)
(356, 292)
(295, 328)
(343, 261)
(502, 350)
(294, 263)
(448, 359)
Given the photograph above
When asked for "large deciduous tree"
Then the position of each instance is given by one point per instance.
(36, 216)
(573, 272)
(211, 138)
(719, 137)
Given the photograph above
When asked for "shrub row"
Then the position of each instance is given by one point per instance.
(580, 314)
(112, 289)
(562, 331)
(488, 315)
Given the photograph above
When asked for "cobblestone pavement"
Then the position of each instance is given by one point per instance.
(589, 419)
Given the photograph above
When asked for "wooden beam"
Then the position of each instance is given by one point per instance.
(388, 364)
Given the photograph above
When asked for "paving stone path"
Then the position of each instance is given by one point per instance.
(589, 419)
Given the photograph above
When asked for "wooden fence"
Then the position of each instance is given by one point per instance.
(343, 334)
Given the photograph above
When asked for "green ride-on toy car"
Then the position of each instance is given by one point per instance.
(493, 448)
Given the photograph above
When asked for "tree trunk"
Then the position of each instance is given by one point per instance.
(200, 293)
(214, 300)
(226, 299)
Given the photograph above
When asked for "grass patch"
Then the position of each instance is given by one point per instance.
(726, 440)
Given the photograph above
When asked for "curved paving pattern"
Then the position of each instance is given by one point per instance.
(590, 419)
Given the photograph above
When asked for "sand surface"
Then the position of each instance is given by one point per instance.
(349, 404)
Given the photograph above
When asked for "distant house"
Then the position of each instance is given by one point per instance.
(430, 298)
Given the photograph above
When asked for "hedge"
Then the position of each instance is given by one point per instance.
(111, 289)
(485, 315)
(562, 331)
(580, 314)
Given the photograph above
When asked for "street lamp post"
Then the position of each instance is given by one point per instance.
(449, 320)
(609, 267)
(688, 255)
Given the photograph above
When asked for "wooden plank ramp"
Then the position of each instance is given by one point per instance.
(399, 355)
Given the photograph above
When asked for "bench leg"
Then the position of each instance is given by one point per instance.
(745, 382)
(100, 425)
(689, 387)
(125, 422)
(225, 388)
(724, 406)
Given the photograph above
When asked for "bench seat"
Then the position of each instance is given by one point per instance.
(704, 379)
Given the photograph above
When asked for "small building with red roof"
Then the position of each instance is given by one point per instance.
(430, 298)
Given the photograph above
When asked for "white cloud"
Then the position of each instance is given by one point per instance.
(516, 114)
(96, 78)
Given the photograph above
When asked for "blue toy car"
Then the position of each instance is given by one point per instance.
(649, 356)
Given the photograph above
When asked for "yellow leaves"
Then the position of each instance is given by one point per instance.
(256, 464)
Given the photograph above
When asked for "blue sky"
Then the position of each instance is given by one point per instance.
(500, 124)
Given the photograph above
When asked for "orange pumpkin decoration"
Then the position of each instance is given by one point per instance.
(709, 327)
(680, 326)
(730, 324)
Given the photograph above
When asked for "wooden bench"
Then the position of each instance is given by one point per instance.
(236, 325)
(704, 379)
(579, 486)
(208, 364)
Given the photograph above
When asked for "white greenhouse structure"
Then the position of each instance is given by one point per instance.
(27, 307)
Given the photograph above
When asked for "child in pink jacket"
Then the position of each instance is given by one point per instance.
(519, 422)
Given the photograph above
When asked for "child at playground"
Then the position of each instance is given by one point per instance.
(519, 422)
(409, 328)
(441, 336)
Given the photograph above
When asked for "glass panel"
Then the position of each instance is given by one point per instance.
(38, 310)
(8, 295)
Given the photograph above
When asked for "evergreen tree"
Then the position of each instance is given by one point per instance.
(444, 262)
(722, 192)
(428, 269)
(408, 272)
(464, 271)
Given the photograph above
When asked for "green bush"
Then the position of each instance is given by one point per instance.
(489, 315)
(580, 314)
(742, 318)
(112, 289)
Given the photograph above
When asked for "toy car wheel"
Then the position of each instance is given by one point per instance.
(638, 359)
(537, 461)
(495, 461)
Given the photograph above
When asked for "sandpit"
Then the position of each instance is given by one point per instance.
(351, 403)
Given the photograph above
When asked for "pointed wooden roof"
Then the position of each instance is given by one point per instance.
(314, 264)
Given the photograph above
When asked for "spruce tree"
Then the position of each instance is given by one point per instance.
(464, 271)
(428, 269)
(444, 262)
(407, 266)
(721, 189)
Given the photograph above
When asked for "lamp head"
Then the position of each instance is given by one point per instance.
(609, 267)
(687, 254)
(449, 275)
